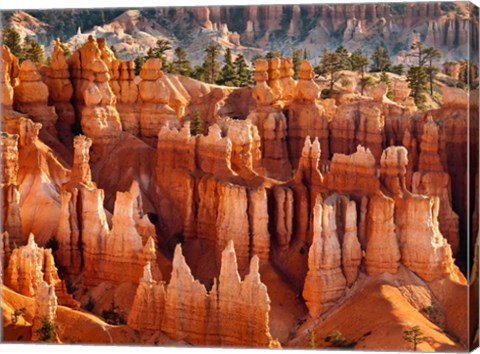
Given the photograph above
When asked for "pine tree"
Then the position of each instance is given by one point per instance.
(386, 79)
(158, 52)
(66, 51)
(196, 123)
(228, 74)
(468, 74)
(272, 54)
(181, 64)
(415, 336)
(344, 57)
(198, 72)
(359, 63)
(211, 67)
(418, 51)
(398, 69)
(139, 61)
(243, 73)
(12, 40)
(418, 80)
(380, 59)
(46, 333)
(33, 51)
(330, 64)
(430, 55)
(296, 61)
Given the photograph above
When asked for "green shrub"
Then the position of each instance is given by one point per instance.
(17, 313)
(46, 333)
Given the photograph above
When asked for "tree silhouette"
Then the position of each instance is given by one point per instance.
(330, 65)
(415, 336)
(432, 54)
(359, 63)
(296, 61)
(344, 57)
(196, 124)
(33, 51)
(229, 74)
(418, 80)
(162, 46)
(211, 67)
(380, 59)
(12, 40)
(243, 73)
(181, 64)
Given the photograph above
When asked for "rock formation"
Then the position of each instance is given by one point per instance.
(271, 122)
(11, 219)
(325, 282)
(306, 117)
(287, 83)
(29, 266)
(246, 158)
(95, 99)
(423, 248)
(45, 308)
(8, 74)
(31, 97)
(60, 90)
(185, 310)
(127, 97)
(382, 252)
(353, 173)
(154, 109)
(148, 307)
(430, 179)
(351, 249)
(274, 79)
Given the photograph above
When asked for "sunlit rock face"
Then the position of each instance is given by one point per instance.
(11, 218)
(185, 310)
(95, 99)
(154, 95)
(60, 91)
(29, 266)
(269, 118)
(221, 235)
(31, 97)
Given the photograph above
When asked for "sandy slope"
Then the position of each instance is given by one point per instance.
(377, 311)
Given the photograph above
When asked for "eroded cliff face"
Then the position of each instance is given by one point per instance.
(232, 313)
(11, 219)
(94, 97)
(324, 192)
(29, 267)
(31, 97)
(60, 91)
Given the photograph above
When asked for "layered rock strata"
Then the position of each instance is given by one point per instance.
(270, 120)
(60, 91)
(430, 179)
(31, 97)
(185, 310)
(9, 72)
(29, 266)
(325, 282)
(154, 95)
(204, 164)
(306, 117)
(45, 309)
(95, 100)
(11, 218)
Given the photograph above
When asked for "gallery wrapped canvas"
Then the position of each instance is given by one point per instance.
(261, 176)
